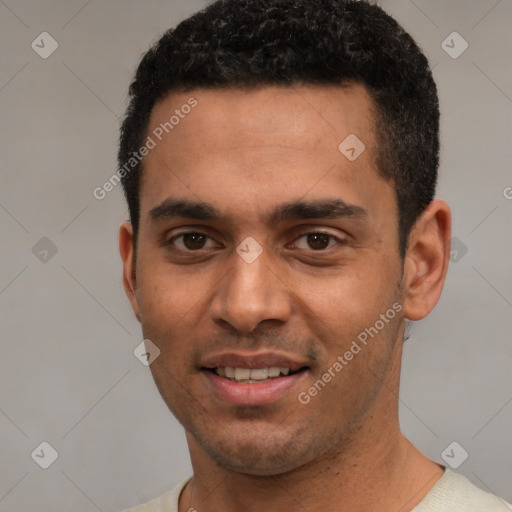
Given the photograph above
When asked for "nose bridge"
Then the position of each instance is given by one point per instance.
(250, 278)
(250, 293)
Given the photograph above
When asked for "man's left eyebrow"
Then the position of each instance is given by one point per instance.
(317, 209)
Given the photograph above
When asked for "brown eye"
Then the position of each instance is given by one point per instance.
(192, 241)
(316, 241)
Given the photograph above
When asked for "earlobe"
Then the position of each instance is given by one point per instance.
(126, 250)
(426, 260)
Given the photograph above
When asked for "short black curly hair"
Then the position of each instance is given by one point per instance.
(251, 43)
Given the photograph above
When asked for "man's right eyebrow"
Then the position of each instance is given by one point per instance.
(173, 208)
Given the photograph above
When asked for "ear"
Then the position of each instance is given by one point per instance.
(426, 260)
(126, 249)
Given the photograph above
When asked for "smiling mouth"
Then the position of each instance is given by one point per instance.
(254, 375)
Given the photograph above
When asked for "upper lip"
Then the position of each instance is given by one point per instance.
(253, 360)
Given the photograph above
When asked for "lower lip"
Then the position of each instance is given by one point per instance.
(263, 393)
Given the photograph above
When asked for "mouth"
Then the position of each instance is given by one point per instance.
(253, 378)
(254, 375)
(251, 384)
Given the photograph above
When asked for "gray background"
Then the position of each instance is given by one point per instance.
(68, 375)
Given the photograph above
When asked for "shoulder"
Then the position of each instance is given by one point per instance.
(167, 502)
(455, 493)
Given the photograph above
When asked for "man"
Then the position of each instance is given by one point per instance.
(279, 158)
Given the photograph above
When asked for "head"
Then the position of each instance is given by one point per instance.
(257, 240)
(253, 43)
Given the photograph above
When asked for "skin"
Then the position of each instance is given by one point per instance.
(245, 152)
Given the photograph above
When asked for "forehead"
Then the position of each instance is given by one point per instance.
(309, 113)
(256, 146)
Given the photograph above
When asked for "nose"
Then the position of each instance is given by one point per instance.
(250, 293)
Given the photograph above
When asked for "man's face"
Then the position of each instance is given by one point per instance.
(324, 274)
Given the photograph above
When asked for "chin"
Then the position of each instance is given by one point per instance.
(251, 457)
(255, 463)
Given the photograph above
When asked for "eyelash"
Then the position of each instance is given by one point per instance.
(317, 232)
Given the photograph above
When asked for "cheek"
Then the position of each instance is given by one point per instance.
(167, 309)
(165, 298)
(345, 304)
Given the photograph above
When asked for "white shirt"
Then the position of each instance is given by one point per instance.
(451, 493)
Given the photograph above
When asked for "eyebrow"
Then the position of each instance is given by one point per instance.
(294, 210)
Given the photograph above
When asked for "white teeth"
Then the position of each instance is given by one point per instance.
(251, 373)
(242, 373)
(259, 374)
(274, 371)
